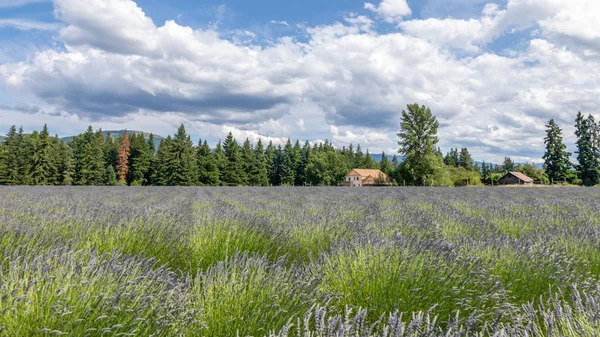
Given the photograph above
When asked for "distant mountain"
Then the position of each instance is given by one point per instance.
(377, 157)
(2, 138)
(118, 133)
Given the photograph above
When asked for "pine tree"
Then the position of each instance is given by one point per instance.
(369, 162)
(234, 174)
(10, 175)
(179, 164)
(296, 158)
(160, 175)
(508, 165)
(220, 160)
(110, 147)
(3, 162)
(110, 178)
(587, 151)
(23, 160)
(40, 166)
(123, 159)
(282, 167)
(385, 165)
(270, 156)
(301, 178)
(291, 163)
(140, 159)
(66, 165)
(152, 162)
(260, 175)
(208, 171)
(485, 171)
(465, 160)
(89, 158)
(452, 158)
(556, 158)
(359, 158)
(249, 162)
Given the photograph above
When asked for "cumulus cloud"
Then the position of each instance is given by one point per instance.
(390, 10)
(344, 81)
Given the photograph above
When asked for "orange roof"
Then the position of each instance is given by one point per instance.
(365, 173)
(522, 177)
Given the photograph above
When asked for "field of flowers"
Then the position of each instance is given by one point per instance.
(299, 262)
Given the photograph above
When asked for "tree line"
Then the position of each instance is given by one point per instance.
(425, 165)
(95, 158)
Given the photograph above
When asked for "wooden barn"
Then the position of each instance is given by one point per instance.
(515, 178)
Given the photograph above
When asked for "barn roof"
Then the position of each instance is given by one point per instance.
(365, 173)
(521, 176)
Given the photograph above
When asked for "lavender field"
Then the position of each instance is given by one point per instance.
(299, 262)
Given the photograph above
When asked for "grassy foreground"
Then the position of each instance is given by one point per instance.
(299, 262)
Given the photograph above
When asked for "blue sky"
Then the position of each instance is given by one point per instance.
(492, 71)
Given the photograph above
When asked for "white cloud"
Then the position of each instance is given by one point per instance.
(28, 24)
(346, 82)
(283, 23)
(390, 10)
(18, 3)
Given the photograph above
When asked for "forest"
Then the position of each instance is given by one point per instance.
(95, 158)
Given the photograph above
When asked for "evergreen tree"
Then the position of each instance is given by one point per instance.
(110, 178)
(23, 159)
(395, 161)
(207, 165)
(296, 158)
(385, 165)
(418, 138)
(89, 158)
(3, 162)
(41, 170)
(369, 162)
(301, 178)
(291, 162)
(233, 172)
(248, 161)
(123, 159)
(152, 162)
(221, 161)
(508, 165)
(282, 168)
(10, 175)
(485, 171)
(587, 151)
(452, 158)
(270, 155)
(465, 160)
(350, 156)
(110, 147)
(359, 158)
(556, 158)
(66, 165)
(259, 176)
(140, 159)
(162, 164)
(180, 167)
